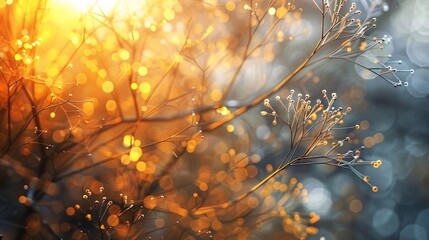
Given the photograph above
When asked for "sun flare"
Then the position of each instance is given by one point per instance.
(105, 7)
(84, 6)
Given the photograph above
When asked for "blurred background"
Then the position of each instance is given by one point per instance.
(397, 132)
(167, 158)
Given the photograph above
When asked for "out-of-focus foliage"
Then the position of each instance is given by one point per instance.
(141, 119)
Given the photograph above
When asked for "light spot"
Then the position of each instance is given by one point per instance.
(230, 6)
(111, 105)
(169, 14)
(141, 166)
(145, 87)
(107, 87)
(142, 71)
(355, 205)
(216, 94)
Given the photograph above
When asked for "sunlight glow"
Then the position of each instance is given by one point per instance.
(104, 7)
(84, 6)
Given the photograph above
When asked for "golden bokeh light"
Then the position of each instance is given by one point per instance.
(84, 6)
(128, 119)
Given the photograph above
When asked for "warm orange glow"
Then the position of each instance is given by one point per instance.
(84, 6)
(139, 104)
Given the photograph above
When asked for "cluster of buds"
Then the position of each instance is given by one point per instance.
(312, 128)
(25, 49)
